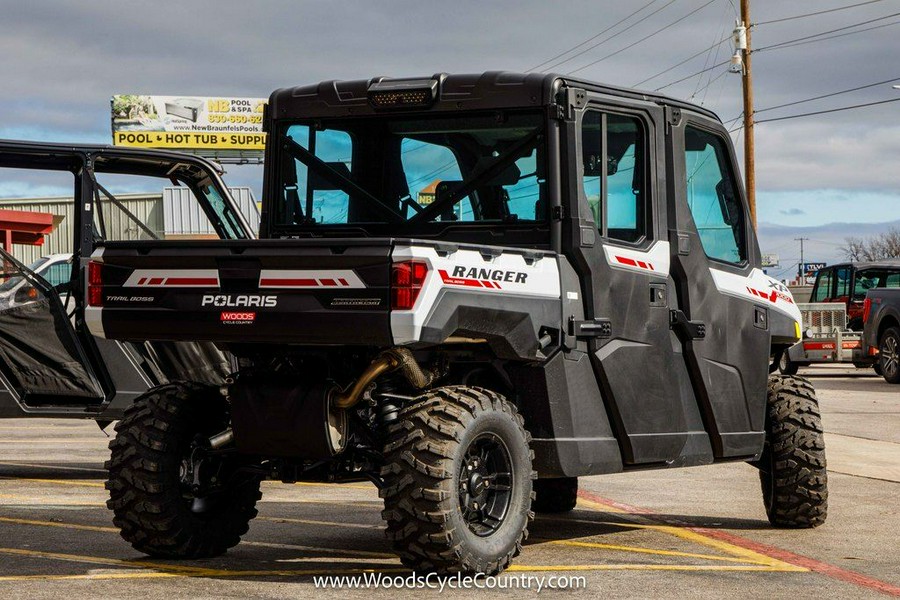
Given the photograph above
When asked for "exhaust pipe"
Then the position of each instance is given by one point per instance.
(390, 360)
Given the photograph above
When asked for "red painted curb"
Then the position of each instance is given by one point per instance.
(798, 560)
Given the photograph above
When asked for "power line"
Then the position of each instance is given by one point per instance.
(590, 39)
(693, 75)
(691, 57)
(709, 55)
(813, 14)
(831, 37)
(855, 89)
(709, 83)
(831, 110)
(816, 35)
(612, 37)
(643, 39)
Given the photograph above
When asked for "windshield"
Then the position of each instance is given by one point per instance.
(397, 174)
(867, 279)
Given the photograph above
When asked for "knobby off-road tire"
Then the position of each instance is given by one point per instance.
(430, 492)
(556, 495)
(152, 508)
(792, 465)
(889, 355)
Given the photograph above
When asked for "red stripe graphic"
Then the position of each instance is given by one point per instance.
(328, 282)
(446, 278)
(630, 262)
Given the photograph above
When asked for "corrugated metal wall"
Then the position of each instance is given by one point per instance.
(185, 217)
(169, 213)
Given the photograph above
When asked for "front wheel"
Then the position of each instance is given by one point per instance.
(458, 482)
(786, 366)
(792, 465)
(170, 497)
(889, 355)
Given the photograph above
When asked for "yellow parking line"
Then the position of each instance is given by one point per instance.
(692, 536)
(644, 550)
(354, 486)
(40, 466)
(644, 567)
(100, 560)
(57, 524)
(74, 482)
(312, 522)
(4, 578)
(102, 529)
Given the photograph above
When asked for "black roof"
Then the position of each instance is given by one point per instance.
(888, 263)
(489, 90)
(48, 152)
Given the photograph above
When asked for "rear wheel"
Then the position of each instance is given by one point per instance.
(555, 495)
(786, 366)
(889, 355)
(792, 465)
(457, 482)
(170, 496)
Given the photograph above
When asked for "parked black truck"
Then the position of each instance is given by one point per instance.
(471, 290)
(881, 330)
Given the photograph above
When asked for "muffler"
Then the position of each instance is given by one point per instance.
(286, 419)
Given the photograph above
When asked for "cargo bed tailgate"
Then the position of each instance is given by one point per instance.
(290, 291)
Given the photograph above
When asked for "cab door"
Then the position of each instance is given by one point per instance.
(42, 363)
(627, 286)
(714, 258)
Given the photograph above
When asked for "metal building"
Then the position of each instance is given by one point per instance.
(169, 214)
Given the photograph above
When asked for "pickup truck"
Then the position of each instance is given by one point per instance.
(881, 331)
(833, 318)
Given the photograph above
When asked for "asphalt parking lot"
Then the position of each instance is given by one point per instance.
(698, 532)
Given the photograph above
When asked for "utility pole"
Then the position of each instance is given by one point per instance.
(747, 80)
(800, 273)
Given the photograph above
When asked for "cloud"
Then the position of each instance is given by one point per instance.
(63, 64)
(792, 212)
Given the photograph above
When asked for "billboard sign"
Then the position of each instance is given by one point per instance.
(810, 270)
(188, 122)
(770, 261)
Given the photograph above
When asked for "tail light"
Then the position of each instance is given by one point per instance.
(95, 283)
(867, 308)
(407, 278)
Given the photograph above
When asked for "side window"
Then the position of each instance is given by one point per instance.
(823, 286)
(713, 197)
(625, 212)
(614, 177)
(58, 274)
(313, 196)
(842, 282)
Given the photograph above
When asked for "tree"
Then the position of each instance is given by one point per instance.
(878, 247)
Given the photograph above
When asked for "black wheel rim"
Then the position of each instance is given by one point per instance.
(890, 361)
(485, 484)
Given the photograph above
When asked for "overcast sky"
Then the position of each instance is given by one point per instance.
(62, 60)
